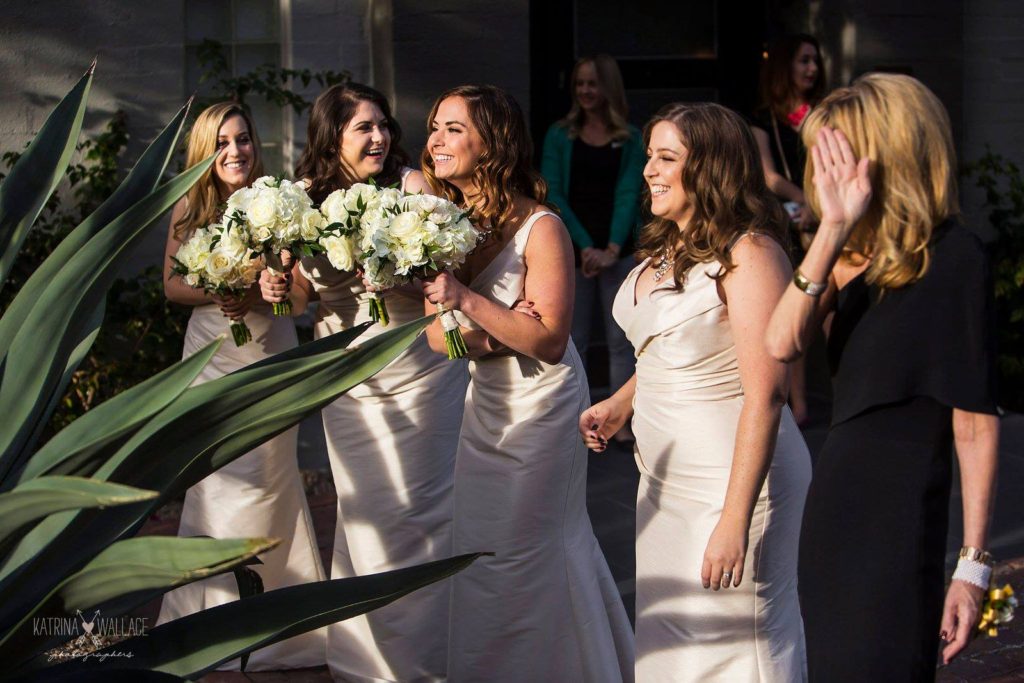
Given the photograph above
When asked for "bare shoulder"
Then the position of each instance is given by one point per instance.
(415, 182)
(548, 232)
(755, 250)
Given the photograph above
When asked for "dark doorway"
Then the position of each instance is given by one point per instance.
(668, 51)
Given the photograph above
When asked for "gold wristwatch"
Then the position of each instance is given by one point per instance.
(976, 555)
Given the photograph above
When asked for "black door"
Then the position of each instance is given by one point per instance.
(668, 51)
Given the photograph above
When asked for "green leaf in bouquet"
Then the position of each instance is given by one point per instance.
(38, 171)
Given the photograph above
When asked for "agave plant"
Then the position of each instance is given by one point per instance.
(69, 510)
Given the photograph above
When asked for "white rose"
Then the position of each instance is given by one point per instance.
(262, 233)
(240, 199)
(262, 210)
(333, 208)
(232, 246)
(340, 252)
(265, 181)
(219, 265)
(389, 198)
(311, 224)
(192, 280)
(361, 194)
(405, 226)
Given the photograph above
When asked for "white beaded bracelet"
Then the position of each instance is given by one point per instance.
(974, 573)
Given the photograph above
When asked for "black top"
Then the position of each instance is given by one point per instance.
(792, 146)
(933, 338)
(593, 174)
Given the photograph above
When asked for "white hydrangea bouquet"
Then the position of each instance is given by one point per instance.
(396, 237)
(222, 259)
(279, 216)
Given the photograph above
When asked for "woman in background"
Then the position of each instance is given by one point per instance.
(911, 349)
(593, 164)
(391, 440)
(792, 83)
(260, 494)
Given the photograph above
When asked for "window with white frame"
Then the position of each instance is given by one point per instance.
(251, 33)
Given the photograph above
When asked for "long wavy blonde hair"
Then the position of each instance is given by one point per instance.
(902, 127)
(723, 180)
(203, 199)
(616, 110)
(505, 169)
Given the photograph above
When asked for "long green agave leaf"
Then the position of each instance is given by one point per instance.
(32, 371)
(153, 565)
(143, 179)
(201, 436)
(43, 496)
(198, 643)
(81, 447)
(37, 173)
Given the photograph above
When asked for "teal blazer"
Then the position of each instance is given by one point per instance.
(555, 164)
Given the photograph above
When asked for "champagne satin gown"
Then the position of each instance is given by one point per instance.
(259, 494)
(544, 607)
(391, 443)
(686, 411)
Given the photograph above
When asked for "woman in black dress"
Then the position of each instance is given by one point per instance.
(912, 357)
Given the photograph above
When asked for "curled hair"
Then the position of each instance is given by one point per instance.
(616, 110)
(777, 90)
(332, 110)
(902, 127)
(505, 168)
(203, 198)
(723, 180)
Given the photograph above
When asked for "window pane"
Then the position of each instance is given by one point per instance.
(656, 28)
(248, 57)
(256, 20)
(207, 19)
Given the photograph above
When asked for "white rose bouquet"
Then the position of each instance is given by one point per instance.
(416, 236)
(279, 216)
(222, 259)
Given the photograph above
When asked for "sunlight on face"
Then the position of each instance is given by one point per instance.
(664, 173)
(365, 142)
(454, 143)
(235, 153)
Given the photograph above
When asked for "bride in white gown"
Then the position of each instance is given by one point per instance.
(544, 607)
(260, 494)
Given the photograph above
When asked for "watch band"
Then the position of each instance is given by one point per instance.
(806, 286)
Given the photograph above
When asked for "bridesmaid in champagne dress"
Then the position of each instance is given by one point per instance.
(391, 440)
(260, 494)
(723, 467)
(544, 607)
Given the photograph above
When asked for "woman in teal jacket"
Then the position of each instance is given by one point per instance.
(593, 162)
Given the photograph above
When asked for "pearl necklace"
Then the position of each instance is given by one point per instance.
(663, 265)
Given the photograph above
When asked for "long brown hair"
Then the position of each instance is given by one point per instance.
(616, 110)
(723, 180)
(902, 127)
(777, 91)
(505, 169)
(321, 160)
(203, 199)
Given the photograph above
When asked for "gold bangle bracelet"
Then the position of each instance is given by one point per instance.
(806, 286)
(976, 555)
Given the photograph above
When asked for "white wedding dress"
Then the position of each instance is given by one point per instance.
(259, 494)
(544, 607)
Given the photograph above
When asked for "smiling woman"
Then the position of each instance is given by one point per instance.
(259, 494)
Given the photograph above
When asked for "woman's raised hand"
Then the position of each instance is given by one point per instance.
(840, 181)
(275, 288)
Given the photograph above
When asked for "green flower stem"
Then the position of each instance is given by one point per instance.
(378, 310)
(455, 344)
(240, 332)
(282, 308)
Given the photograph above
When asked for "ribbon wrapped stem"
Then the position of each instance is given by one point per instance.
(378, 309)
(453, 340)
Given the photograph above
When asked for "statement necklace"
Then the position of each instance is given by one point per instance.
(663, 265)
